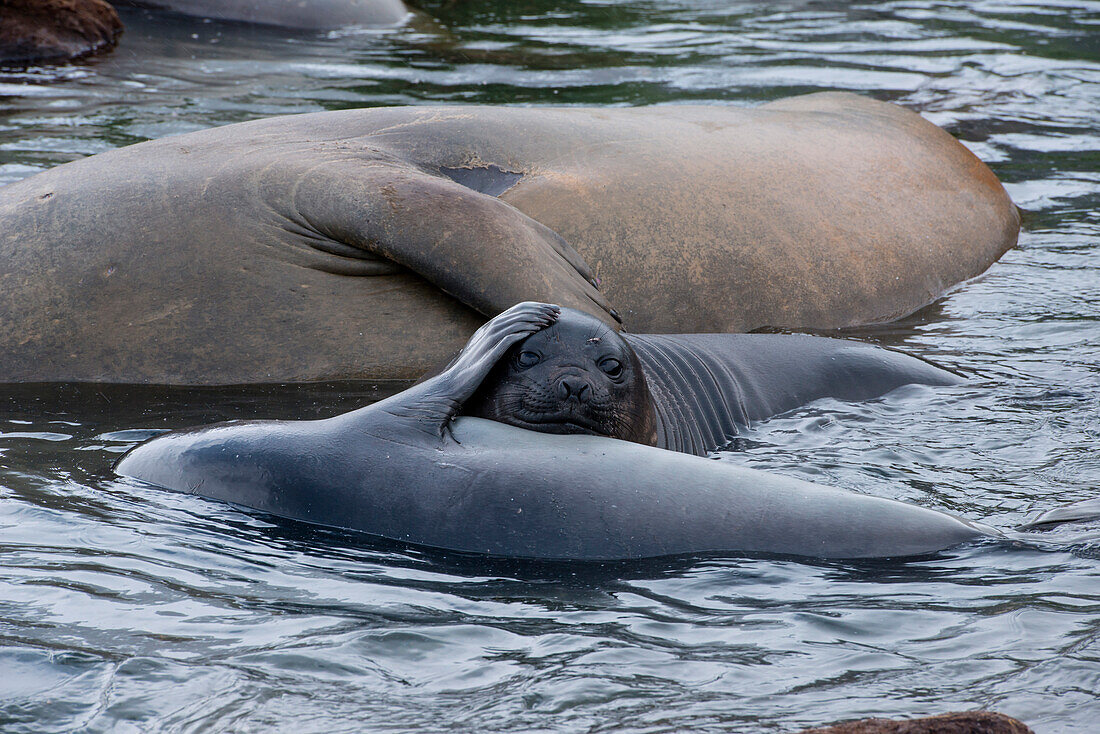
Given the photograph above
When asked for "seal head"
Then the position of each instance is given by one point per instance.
(576, 376)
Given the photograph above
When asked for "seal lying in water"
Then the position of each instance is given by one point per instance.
(408, 469)
(370, 244)
(684, 392)
(304, 14)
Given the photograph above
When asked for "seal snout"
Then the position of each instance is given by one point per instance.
(575, 376)
(574, 387)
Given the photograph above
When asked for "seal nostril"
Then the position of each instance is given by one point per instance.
(574, 387)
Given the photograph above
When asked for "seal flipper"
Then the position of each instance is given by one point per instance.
(1084, 511)
(432, 404)
(489, 257)
(489, 180)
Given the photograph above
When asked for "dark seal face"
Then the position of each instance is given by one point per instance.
(577, 376)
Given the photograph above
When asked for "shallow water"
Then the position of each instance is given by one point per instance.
(124, 608)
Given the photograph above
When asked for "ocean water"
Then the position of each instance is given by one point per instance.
(125, 608)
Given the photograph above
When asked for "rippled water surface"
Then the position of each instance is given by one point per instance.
(123, 608)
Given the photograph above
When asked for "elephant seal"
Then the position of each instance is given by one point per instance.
(55, 30)
(684, 392)
(411, 468)
(406, 468)
(370, 244)
(303, 14)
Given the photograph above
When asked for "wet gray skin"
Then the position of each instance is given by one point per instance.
(685, 392)
(407, 469)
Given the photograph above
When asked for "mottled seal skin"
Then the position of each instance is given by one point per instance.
(371, 243)
(33, 31)
(407, 469)
(304, 14)
(691, 393)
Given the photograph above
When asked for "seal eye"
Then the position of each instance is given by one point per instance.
(527, 359)
(611, 367)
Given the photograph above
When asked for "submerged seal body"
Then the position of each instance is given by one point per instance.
(304, 14)
(684, 392)
(407, 469)
(372, 243)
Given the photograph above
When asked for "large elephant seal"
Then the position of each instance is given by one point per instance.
(407, 469)
(691, 393)
(304, 14)
(55, 30)
(372, 243)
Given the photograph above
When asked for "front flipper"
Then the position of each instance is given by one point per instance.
(480, 250)
(432, 404)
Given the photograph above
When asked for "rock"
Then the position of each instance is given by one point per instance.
(55, 30)
(967, 722)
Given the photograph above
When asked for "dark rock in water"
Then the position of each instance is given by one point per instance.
(55, 30)
(967, 722)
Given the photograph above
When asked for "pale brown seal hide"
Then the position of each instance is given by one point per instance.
(371, 243)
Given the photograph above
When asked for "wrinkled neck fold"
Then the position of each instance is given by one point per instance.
(698, 400)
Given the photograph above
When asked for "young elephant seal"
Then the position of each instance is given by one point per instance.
(406, 468)
(685, 392)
